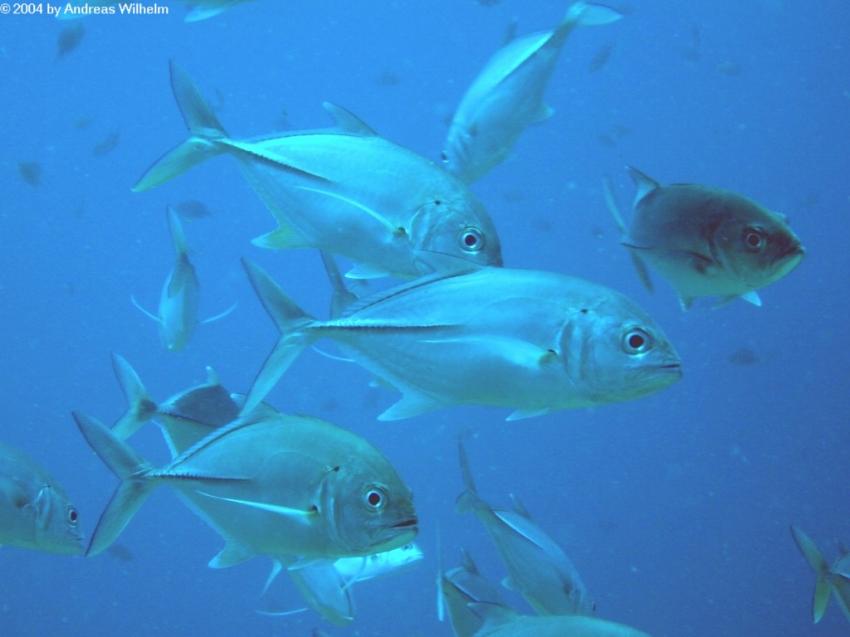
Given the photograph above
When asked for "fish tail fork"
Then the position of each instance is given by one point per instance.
(291, 321)
(816, 560)
(130, 494)
(204, 131)
(140, 406)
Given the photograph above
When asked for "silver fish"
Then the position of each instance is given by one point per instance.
(293, 488)
(327, 586)
(706, 241)
(347, 191)
(457, 589)
(532, 341)
(35, 511)
(538, 568)
(833, 579)
(501, 621)
(507, 95)
(177, 315)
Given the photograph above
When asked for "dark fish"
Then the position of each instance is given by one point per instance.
(121, 552)
(388, 78)
(729, 68)
(488, 3)
(692, 51)
(600, 59)
(30, 172)
(69, 39)
(107, 145)
(192, 209)
(743, 356)
(82, 122)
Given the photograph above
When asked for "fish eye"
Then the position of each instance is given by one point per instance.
(443, 156)
(73, 516)
(754, 239)
(636, 341)
(375, 498)
(471, 239)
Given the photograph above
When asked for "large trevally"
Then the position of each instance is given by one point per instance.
(507, 95)
(706, 241)
(348, 191)
(293, 488)
(198, 9)
(532, 341)
(538, 568)
(833, 579)
(35, 511)
(457, 589)
(177, 314)
(501, 621)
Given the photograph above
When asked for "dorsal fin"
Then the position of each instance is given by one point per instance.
(645, 184)
(347, 121)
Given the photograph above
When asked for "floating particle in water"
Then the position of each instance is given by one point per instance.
(30, 172)
(69, 39)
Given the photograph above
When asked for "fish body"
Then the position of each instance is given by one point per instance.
(361, 569)
(500, 621)
(295, 489)
(522, 339)
(507, 95)
(177, 314)
(538, 568)
(707, 241)
(831, 580)
(35, 511)
(458, 589)
(347, 191)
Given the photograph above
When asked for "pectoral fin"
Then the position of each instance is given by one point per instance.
(141, 309)
(220, 315)
(366, 272)
(752, 297)
(543, 114)
(304, 515)
(412, 404)
(521, 414)
(281, 238)
(231, 555)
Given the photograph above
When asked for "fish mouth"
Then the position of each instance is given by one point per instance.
(675, 368)
(409, 522)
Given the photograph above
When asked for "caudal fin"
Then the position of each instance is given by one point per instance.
(614, 209)
(820, 566)
(130, 494)
(583, 13)
(290, 320)
(468, 500)
(204, 131)
(140, 407)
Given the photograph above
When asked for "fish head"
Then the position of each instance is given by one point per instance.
(617, 352)
(57, 524)
(452, 233)
(370, 508)
(755, 244)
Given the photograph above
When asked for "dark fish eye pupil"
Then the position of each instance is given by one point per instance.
(470, 239)
(374, 498)
(636, 341)
(72, 515)
(754, 239)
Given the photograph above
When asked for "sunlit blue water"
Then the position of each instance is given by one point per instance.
(675, 508)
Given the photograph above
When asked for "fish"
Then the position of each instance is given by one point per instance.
(600, 58)
(35, 511)
(507, 95)
(69, 39)
(192, 209)
(185, 418)
(177, 315)
(831, 580)
(502, 621)
(328, 586)
(705, 241)
(107, 144)
(292, 488)
(743, 356)
(459, 587)
(30, 172)
(348, 191)
(121, 553)
(538, 569)
(532, 341)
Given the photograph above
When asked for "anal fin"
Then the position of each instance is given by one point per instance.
(412, 404)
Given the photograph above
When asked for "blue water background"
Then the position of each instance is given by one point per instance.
(675, 508)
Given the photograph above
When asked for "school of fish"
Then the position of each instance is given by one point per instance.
(324, 505)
